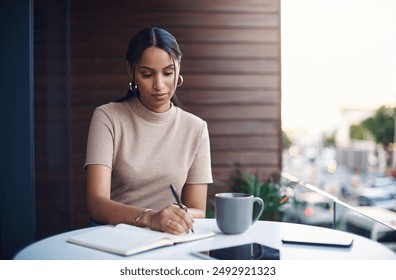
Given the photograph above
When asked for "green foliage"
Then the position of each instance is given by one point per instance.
(210, 210)
(381, 125)
(329, 140)
(286, 140)
(270, 192)
(358, 132)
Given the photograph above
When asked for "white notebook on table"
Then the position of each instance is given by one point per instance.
(127, 240)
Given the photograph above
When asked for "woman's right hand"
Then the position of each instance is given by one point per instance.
(171, 219)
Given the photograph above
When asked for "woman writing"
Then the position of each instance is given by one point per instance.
(142, 143)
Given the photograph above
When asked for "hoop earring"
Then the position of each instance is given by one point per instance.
(181, 80)
(133, 86)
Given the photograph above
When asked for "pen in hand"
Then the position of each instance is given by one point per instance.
(178, 201)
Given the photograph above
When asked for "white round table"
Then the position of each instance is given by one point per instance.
(264, 232)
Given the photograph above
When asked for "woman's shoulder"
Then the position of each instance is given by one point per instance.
(111, 106)
(189, 119)
(188, 116)
(112, 109)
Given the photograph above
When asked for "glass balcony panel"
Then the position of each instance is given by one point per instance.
(310, 205)
(376, 223)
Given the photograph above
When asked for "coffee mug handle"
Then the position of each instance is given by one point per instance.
(261, 203)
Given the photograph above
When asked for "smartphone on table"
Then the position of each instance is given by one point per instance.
(249, 251)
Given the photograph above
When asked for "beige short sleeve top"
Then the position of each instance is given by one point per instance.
(148, 151)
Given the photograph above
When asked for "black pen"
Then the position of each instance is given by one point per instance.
(178, 201)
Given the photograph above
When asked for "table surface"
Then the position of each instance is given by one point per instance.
(264, 232)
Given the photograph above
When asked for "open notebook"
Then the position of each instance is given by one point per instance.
(126, 240)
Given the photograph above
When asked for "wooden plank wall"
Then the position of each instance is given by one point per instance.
(231, 69)
(230, 65)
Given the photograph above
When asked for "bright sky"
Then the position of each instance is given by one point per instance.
(335, 54)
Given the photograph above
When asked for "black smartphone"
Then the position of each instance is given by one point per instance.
(344, 241)
(249, 251)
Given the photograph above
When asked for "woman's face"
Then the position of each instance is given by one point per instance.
(155, 78)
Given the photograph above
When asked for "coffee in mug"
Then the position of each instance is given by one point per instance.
(234, 211)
